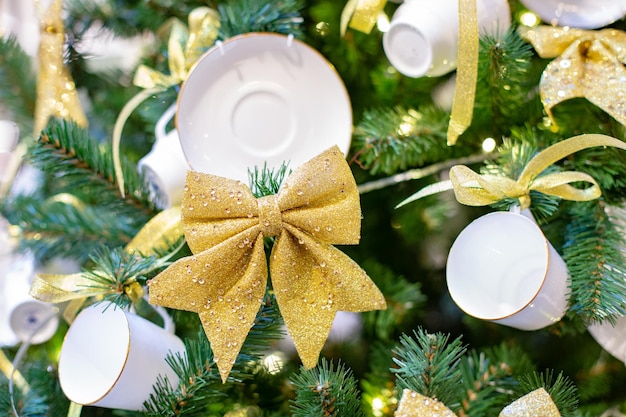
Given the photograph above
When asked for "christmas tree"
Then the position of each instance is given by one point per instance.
(441, 231)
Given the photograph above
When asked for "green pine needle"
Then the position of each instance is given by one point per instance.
(17, 84)
(429, 364)
(561, 389)
(266, 181)
(326, 391)
(243, 16)
(594, 253)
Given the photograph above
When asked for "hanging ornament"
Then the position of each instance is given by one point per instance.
(225, 280)
(534, 404)
(112, 358)
(9, 159)
(56, 92)
(587, 64)
(585, 14)
(261, 99)
(612, 337)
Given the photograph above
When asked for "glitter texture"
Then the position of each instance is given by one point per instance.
(413, 404)
(588, 64)
(537, 403)
(56, 92)
(225, 280)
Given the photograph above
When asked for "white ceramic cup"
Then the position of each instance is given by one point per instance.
(584, 14)
(9, 135)
(165, 165)
(501, 268)
(111, 358)
(422, 39)
(611, 338)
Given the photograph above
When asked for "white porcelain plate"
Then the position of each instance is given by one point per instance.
(261, 98)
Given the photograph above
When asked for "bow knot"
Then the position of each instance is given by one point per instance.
(270, 217)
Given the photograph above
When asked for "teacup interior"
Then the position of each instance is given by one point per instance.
(497, 265)
(94, 353)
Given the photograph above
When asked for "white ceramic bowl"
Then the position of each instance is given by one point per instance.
(584, 14)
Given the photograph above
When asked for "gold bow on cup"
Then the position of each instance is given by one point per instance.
(225, 280)
(535, 403)
(588, 64)
(184, 48)
(473, 189)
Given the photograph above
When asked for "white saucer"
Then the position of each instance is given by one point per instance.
(261, 98)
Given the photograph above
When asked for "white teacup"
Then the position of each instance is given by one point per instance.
(611, 338)
(165, 165)
(584, 14)
(111, 358)
(422, 39)
(501, 268)
(9, 135)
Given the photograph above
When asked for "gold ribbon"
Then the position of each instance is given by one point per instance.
(57, 288)
(361, 15)
(225, 280)
(473, 189)
(587, 64)
(56, 91)
(184, 47)
(535, 403)
(466, 73)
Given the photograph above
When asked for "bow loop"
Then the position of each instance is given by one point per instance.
(224, 281)
(588, 64)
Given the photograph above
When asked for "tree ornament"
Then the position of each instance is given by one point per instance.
(56, 92)
(225, 280)
(588, 64)
(585, 14)
(537, 403)
(361, 15)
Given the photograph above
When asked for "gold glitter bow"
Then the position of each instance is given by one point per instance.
(466, 73)
(184, 48)
(56, 92)
(535, 403)
(473, 189)
(162, 229)
(588, 64)
(225, 280)
(361, 15)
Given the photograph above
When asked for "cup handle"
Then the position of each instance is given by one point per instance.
(168, 323)
(161, 124)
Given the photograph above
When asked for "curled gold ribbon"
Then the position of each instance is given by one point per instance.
(587, 64)
(57, 288)
(184, 47)
(473, 189)
(535, 403)
(56, 92)
(225, 280)
(361, 15)
(466, 73)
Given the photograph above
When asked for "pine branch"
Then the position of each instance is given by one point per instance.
(17, 83)
(428, 364)
(244, 16)
(265, 181)
(84, 167)
(326, 391)
(594, 253)
(51, 228)
(488, 378)
(390, 140)
(504, 80)
(562, 390)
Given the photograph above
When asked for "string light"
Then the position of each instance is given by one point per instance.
(489, 144)
(528, 18)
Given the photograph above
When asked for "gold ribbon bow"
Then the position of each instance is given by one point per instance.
(162, 229)
(56, 92)
(473, 189)
(184, 48)
(225, 280)
(588, 64)
(535, 403)
(361, 15)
